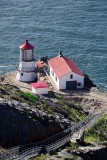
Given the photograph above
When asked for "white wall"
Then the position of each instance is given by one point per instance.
(61, 82)
(27, 76)
(54, 78)
(27, 69)
(40, 90)
(26, 66)
(76, 77)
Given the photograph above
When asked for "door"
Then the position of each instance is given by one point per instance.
(71, 85)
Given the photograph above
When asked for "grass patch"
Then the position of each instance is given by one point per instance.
(12, 92)
(31, 97)
(97, 132)
(71, 157)
(41, 157)
(72, 110)
(72, 146)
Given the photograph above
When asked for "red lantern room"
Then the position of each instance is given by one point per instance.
(26, 52)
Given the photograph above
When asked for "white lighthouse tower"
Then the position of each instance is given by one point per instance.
(26, 68)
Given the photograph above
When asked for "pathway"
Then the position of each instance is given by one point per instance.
(87, 124)
(26, 151)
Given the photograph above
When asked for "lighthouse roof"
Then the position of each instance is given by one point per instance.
(26, 46)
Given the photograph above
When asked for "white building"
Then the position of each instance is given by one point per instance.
(65, 73)
(39, 88)
(26, 68)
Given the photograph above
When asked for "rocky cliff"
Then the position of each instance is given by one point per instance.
(26, 118)
(20, 125)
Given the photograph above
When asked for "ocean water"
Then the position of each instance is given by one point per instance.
(77, 27)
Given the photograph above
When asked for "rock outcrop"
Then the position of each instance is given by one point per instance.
(19, 124)
(88, 82)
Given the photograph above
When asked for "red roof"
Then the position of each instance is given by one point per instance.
(39, 85)
(26, 46)
(62, 66)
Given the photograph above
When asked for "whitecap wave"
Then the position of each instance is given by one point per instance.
(6, 66)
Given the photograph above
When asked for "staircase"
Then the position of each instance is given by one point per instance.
(26, 151)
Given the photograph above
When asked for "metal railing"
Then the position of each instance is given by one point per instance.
(89, 123)
(28, 69)
(51, 144)
(36, 150)
(25, 59)
(46, 71)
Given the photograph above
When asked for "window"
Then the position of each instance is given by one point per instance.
(79, 84)
(21, 74)
(56, 78)
(71, 76)
(52, 73)
(28, 55)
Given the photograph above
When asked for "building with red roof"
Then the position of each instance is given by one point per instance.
(39, 88)
(40, 66)
(65, 73)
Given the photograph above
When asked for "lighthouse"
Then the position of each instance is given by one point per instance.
(26, 69)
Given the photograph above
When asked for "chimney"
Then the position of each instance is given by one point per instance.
(26, 41)
(60, 54)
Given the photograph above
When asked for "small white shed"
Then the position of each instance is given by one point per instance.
(39, 88)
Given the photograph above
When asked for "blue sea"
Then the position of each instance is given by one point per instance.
(77, 27)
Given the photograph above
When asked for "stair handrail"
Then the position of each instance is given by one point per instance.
(66, 135)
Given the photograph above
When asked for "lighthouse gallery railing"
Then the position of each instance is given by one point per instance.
(27, 69)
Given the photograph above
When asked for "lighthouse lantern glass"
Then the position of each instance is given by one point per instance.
(26, 55)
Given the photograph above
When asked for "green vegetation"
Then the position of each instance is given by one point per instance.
(69, 109)
(72, 146)
(72, 110)
(71, 157)
(41, 157)
(69, 146)
(12, 92)
(97, 132)
(31, 97)
(66, 107)
(48, 157)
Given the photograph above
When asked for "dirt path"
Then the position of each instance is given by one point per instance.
(10, 78)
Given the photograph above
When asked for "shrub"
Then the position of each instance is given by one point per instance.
(31, 97)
